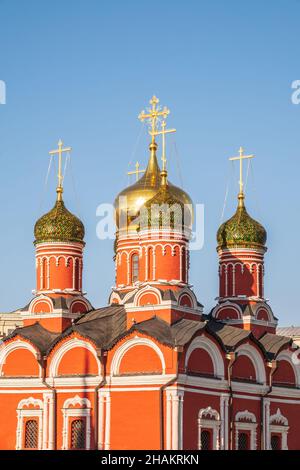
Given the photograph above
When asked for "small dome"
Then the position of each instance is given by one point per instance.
(241, 230)
(59, 225)
(156, 211)
(142, 191)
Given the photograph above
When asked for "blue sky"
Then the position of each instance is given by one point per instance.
(83, 70)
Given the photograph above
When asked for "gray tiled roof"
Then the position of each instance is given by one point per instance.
(106, 326)
(289, 331)
(273, 343)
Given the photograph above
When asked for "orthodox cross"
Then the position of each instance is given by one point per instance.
(241, 157)
(153, 114)
(163, 133)
(136, 172)
(60, 152)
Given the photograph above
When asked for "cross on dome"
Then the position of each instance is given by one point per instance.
(241, 157)
(153, 114)
(60, 152)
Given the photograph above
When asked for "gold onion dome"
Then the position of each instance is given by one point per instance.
(241, 230)
(59, 225)
(129, 201)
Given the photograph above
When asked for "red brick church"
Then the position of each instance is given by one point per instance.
(150, 370)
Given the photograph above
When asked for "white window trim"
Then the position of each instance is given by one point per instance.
(78, 413)
(29, 413)
(249, 425)
(279, 425)
(213, 424)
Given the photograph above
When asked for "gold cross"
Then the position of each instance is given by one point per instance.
(59, 152)
(163, 133)
(153, 114)
(136, 172)
(241, 158)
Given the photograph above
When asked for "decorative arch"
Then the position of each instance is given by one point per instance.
(14, 345)
(245, 416)
(131, 343)
(225, 305)
(190, 294)
(81, 303)
(250, 351)
(202, 342)
(147, 290)
(37, 300)
(287, 356)
(67, 346)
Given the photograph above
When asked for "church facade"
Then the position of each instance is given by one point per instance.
(150, 370)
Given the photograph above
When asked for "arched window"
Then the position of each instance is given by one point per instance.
(31, 434)
(78, 434)
(134, 268)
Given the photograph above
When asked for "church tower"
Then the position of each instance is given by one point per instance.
(241, 249)
(59, 244)
(154, 219)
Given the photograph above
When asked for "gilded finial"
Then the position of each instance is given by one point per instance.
(241, 157)
(59, 152)
(136, 172)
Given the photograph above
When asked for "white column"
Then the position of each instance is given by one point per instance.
(19, 431)
(169, 421)
(233, 280)
(100, 420)
(51, 429)
(224, 422)
(48, 273)
(154, 263)
(107, 422)
(181, 420)
(45, 422)
(266, 408)
(180, 263)
(146, 254)
(177, 420)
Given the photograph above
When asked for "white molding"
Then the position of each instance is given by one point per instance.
(24, 412)
(249, 424)
(84, 411)
(210, 421)
(249, 351)
(131, 343)
(279, 424)
(286, 355)
(7, 348)
(154, 379)
(67, 346)
(202, 342)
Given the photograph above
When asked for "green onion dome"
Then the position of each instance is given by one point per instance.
(241, 230)
(59, 225)
(167, 209)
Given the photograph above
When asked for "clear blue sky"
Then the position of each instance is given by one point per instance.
(83, 70)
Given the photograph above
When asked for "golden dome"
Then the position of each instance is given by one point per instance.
(136, 195)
